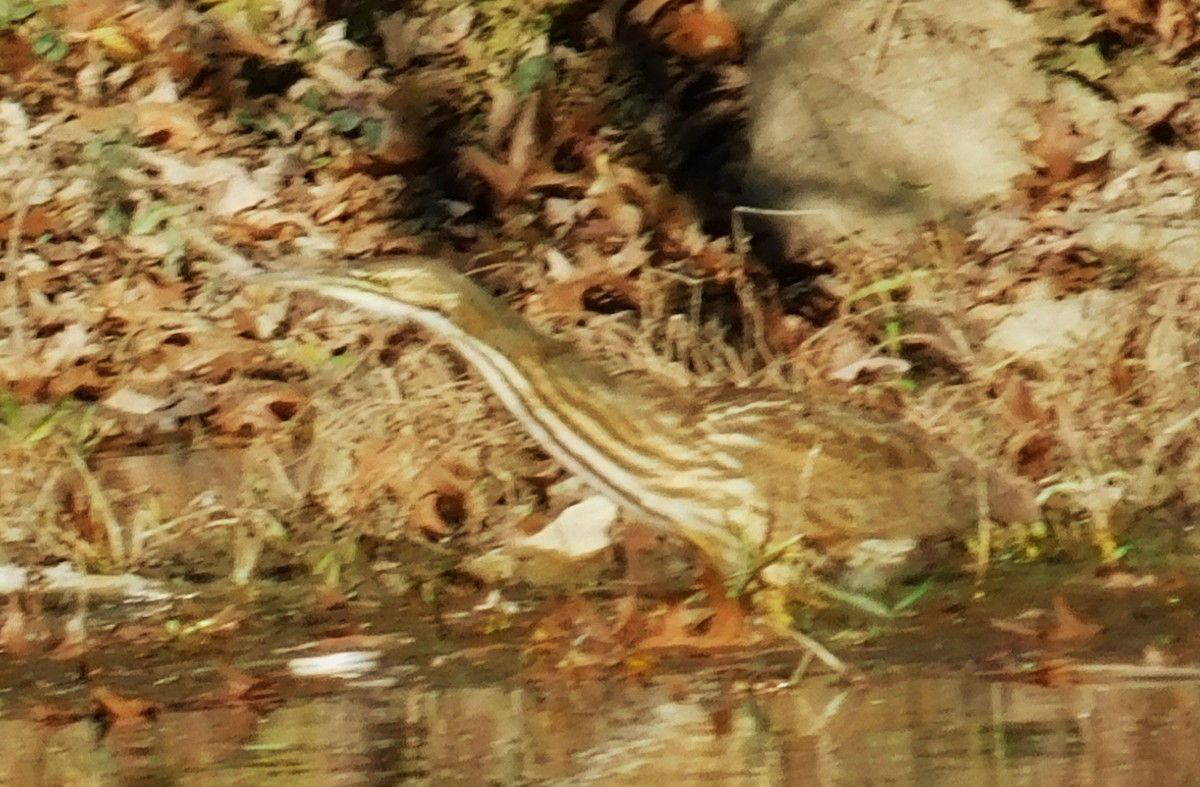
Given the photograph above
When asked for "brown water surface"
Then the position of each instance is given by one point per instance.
(906, 729)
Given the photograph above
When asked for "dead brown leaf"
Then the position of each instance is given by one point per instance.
(1034, 443)
(502, 111)
(14, 634)
(676, 629)
(121, 710)
(1068, 626)
(248, 410)
(1167, 347)
(726, 626)
(1171, 24)
(443, 500)
(645, 10)
(127, 400)
(82, 17)
(1019, 404)
(403, 136)
(1128, 13)
(1175, 26)
(503, 179)
(570, 296)
(1120, 372)
(37, 221)
(376, 460)
(1126, 580)
(701, 31)
(1058, 145)
(1018, 627)
(1034, 453)
(230, 618)
(560, 214)
(52, 715)
(240, 685)
(1066, 154)
(574, 624)
(353, 642)
(174, 125)
(16, 55)
(400, 34)
(628, 624)
(527, 164)
(1056, 672)
(330, 598)
(75, 637)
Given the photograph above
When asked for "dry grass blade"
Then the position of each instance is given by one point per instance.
(101, 507)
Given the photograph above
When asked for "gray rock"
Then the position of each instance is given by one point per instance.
(867, 118)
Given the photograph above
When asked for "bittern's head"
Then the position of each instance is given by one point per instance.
(411, 288)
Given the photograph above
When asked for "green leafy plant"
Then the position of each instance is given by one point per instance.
(106, 155)
(51, 45)
(48, 39)
(31, 424)
(13, 13)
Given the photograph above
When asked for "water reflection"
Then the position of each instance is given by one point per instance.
(682, 731)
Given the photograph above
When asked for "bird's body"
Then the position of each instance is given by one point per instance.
(739, 473)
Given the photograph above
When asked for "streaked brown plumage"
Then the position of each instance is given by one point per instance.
(738, 473)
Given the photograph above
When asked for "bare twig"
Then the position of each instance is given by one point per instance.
(884, 33)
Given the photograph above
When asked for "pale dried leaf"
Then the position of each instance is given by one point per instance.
(400, 34)
(523, 147)
(871, 367)
(448, 29)
(501, 114)
(558, 267)
(1147, 110)
(579, 532)
(127, 400)
(1044, 329)
(175, 124)
(559, 212)
(66, 347)
(1166, 348)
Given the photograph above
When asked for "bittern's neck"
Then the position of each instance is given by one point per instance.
(582, 416)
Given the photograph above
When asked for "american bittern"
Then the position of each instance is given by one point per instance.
(742, 474)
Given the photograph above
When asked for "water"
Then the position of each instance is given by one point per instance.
(898, 730)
